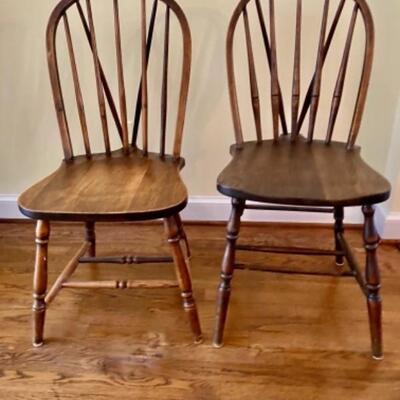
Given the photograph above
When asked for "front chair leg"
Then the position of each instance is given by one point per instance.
(228, 265)
(339, 216)
(372, 275)
(183, 274)
(40, 281)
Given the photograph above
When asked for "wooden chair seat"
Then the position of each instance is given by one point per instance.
(116, 187)
(298, 173)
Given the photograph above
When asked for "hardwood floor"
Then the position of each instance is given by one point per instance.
(287, 336)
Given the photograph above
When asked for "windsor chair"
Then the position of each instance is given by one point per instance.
(296, 172)
(126, 184)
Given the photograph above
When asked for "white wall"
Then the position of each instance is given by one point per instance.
(29, 143)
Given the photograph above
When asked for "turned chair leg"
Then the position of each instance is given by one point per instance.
(182, 234)
(183, 274)
(227, 269)
(40, 281)
(339, 229)
(374, 301)
(90, 236)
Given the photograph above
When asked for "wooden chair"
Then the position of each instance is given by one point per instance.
(298, 172)
(127, 184)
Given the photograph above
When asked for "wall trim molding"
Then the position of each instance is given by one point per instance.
(217, 208)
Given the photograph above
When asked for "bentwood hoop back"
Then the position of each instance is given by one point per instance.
(297, 167)
(312, 94)
(127, 183)
(120, 119)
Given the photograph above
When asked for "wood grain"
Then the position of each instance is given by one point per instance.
(115, 187)
(303, 174)
(289, 335)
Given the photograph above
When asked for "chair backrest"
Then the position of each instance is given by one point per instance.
(331, 16)
(83, 11)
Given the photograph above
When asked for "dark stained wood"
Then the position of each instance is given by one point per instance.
(121, 80)
(126, 260)
(173, 232)
(107, 91)
(296, 70)
(118, 185)
(67, 272)
(145, 111)
(40, 281)
(290, 250)
(337, 95)
(99, 85)
(332, 31)
(153, 284)
(183, 235)
(373, 280)
(149, 41)
(274, 73)
(366, 74)
(90, 237)
(352, 263)
(227, 270)
(269, 58)
(290, 336)
(164, 90)
(300, 173)
(318, 74)
(339, 230)
(255, 98)
(311, 101)
(77, 86)
(316, 175)
(108, 188)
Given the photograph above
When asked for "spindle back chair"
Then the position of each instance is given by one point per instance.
(124, 184)
(312, 95)
(294, 170)
(104, 92)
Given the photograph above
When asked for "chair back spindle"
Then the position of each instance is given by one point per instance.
(337, 95)
(164, 90)
(318, 74)
(310, 104)
(296, 70)
(255, 100)
(77, 86)
(145, 112)
(99, 86)
(121, 80)
(103, 91)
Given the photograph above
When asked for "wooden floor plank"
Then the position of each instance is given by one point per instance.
(287, 337)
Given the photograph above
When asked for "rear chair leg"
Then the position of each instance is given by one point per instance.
(374, 301)
(339, 216)
(228, 265)
(182, 234)
(40, 281)
(182, 271)
(91, 238)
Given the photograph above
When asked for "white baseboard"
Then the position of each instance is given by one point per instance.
(217, 208)
(9, 208)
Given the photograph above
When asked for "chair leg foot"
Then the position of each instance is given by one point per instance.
(372, 275)
(40, 281)
(183, 274)
(228, 263)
